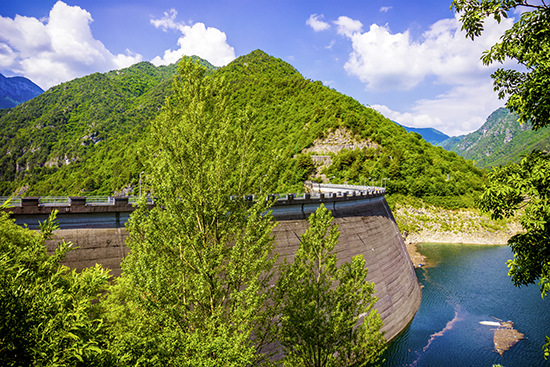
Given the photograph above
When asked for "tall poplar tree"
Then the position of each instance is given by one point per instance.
(327, 311)
(195, 284)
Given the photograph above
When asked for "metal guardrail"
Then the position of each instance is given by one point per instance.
(326, 191)
(54, 201)
(100, 200)
(13, 201)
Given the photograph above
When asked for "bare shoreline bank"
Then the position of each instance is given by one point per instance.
(499, 238)
(428, 224)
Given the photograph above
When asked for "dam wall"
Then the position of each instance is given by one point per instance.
(367, 227)
(364, 219)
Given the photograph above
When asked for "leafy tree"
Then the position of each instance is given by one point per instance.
(195, 284)
(523, 185)
(322, 304)
(48, 313)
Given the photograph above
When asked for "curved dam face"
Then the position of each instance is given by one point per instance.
(366, 227)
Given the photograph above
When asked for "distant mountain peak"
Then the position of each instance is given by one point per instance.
(431, 135)
(16, 90)
(501, 139)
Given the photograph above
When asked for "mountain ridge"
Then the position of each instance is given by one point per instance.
(500, 140)
(16, 90)
(431, 135)
(87, 136)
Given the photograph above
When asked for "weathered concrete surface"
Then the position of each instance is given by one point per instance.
(366, 227)
(105, 246)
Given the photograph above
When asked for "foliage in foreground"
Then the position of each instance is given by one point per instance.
(52, 316)
(195, 289)
(200, 260)
(47, 314)
(525, 185)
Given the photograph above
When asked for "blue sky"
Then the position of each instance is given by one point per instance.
(407, 59)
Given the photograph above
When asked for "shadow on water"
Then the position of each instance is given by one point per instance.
(468, 284)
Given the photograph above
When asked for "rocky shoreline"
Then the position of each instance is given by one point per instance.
(430, 226)
(475, 238)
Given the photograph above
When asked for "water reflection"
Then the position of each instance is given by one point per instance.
(469, 284)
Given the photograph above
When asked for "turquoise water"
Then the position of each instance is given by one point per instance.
(466, 285)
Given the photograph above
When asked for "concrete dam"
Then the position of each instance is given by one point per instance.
(365, 221)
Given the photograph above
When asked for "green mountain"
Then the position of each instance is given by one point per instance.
(500, 140)
(81, 135)
(87, 136)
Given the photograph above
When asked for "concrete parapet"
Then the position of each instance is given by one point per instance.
(28, 202)
(77, 201)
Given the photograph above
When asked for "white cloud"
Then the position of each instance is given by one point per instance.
(460, 110)
(385, 9)
(206, 42)
(394, 61)
(347, 26)
(385, 61)
(56, 49)
(315, 22)
(168, 21)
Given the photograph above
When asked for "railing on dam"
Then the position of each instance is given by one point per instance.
(109, 211)
(17, 201)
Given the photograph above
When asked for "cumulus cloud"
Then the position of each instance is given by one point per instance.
(56, 49)
(206, 42)
(315, 22)
(347, 26)
(395, 61)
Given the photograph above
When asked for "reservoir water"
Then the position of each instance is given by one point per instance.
(468, 284)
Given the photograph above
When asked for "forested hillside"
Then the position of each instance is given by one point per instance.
(502, 139)
(293, 112)
(84, 136)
